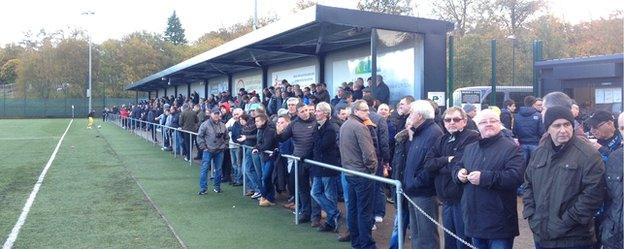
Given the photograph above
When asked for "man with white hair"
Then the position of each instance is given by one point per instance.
(418, 182)
(234, 129)
(490, 171)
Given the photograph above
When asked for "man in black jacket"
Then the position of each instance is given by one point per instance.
(490, 170)
(266, 141)
(444, 153)
(302, 131)
(324, 181)
(611, 227)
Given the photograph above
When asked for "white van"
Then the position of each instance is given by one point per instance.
(478, 95)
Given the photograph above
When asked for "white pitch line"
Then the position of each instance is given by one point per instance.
(8, 244)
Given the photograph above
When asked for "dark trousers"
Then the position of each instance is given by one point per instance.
(186, 147)
(304, 191)
(360, 211)
(453, 220)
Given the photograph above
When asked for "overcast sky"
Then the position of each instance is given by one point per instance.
(116, 18)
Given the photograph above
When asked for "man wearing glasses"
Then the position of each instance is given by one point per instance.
(443, 154)
(602, 126)
(490, 171)
(564, 186)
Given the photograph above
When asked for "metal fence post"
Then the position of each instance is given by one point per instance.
(296, 192)
(190, 150)
(399, 214)
(244, 168)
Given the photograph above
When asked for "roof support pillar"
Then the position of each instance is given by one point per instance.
(136, 96)
(188, 90)
(321, 62)
(265, 78)
(175, 91)
(149, 94)
(230, 85)
(205, 88)
(165, 91)
(373, 42)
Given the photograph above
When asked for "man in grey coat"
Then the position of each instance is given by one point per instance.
(213, 140)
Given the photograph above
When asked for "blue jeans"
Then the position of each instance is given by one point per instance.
(394, 238)
(527, 149)
(493, 243)
(361, 211)
(345, 194)
(538, 246)
(178, 142)
(253, 182)
(205, 166)
(235, 159)
(258, 164)
(324, 191)
(267, 190)
(380, 200)
(454, 221)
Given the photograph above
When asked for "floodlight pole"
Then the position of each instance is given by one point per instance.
(89, 92)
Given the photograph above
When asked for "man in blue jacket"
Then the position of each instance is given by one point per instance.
(418, 182)
(528, 126)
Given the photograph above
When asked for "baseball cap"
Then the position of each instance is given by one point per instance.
(599, 117)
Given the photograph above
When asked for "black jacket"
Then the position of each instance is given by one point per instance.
(250, 132)
(382, 93)
(507, 118)
(266, 140)
(436, 162)
(326, 149)
(417, 181)
(302, 133)
(489, 209)
(611, 227)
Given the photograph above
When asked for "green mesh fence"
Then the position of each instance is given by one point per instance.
(55, 108)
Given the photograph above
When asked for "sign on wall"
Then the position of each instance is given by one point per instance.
(216, 87)
(303, 76)
(250, 83)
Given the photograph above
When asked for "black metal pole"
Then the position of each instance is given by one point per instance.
(451, 71)
(493, 82)
(373, 42)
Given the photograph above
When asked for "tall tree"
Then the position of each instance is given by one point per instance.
(514, 13)
(395, 7)
(174, 32)
(460, 12)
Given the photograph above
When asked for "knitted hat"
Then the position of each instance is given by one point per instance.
(557, 112)
(599, 117)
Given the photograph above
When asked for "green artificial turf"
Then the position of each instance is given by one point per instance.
(90, 200)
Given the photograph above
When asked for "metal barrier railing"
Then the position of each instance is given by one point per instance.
(124, 122)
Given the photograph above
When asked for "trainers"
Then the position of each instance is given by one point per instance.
(203, 192)
(326, 228)
(374, 228)
(378, 219)
(345, 237)
(217, 190)
(265, 202)
(186, 159)
(256, 195)
(249, 193)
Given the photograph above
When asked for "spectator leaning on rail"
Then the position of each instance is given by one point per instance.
(266, 140)
(563, 186)
(324, 181)
(418, 182)
(490, 171)
(444, 153)
(611, 227)
(213, 140)
(248, 137)
(357, 153)
(301, 130)
(234, 128)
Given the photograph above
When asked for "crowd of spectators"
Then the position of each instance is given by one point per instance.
(474, 163)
